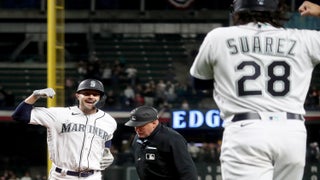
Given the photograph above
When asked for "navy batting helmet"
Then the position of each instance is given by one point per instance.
(91, 84)
(255, 5)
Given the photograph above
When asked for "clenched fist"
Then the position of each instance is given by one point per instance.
(44, 93)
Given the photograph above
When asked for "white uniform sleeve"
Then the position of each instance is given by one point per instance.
(313, 45)
(202, 67)
(43, 116)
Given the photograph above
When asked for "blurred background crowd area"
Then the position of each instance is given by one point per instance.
(140, 49)
(128, 85)
(121, 4)
(141, 54)
(144, 69)
(131, 4)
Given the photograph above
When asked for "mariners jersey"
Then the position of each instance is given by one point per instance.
(75, 140)
(258, 68)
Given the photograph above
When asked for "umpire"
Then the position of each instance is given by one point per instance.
(159, 151)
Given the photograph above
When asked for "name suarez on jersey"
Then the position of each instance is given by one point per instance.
(73, 127)
(262, 45)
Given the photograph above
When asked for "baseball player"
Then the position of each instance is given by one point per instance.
(260, 72)
(78, 137)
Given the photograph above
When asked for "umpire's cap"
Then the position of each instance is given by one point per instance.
(91, 84)
(141, 116)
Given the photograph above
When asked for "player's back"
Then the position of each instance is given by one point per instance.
(258, 67)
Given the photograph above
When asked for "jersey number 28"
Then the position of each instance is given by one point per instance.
(271, 73)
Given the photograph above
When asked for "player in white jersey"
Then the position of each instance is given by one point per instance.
(260, 73)
(78, 137)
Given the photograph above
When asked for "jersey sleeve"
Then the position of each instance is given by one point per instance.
(313, 45)
(202, 67)
(113, 126)
(43, 116)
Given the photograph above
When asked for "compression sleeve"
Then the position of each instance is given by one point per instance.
(200, 84)
(22, 113)
(107, 144)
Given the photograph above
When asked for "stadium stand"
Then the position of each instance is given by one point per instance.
(23, 66)
(22, 78)
(156, 57)
(152, 56)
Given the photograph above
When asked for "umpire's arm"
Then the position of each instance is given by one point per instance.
(182, 159)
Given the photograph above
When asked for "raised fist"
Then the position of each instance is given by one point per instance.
(44, 93)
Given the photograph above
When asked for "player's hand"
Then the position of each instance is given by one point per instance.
(44, 93)
(107, 159)
(308, 8)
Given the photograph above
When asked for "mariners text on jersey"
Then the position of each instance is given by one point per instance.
(73, 127)
(262, 45)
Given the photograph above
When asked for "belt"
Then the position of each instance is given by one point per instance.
(77, 173)
(247, 116)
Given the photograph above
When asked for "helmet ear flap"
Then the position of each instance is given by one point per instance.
(101, 102)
